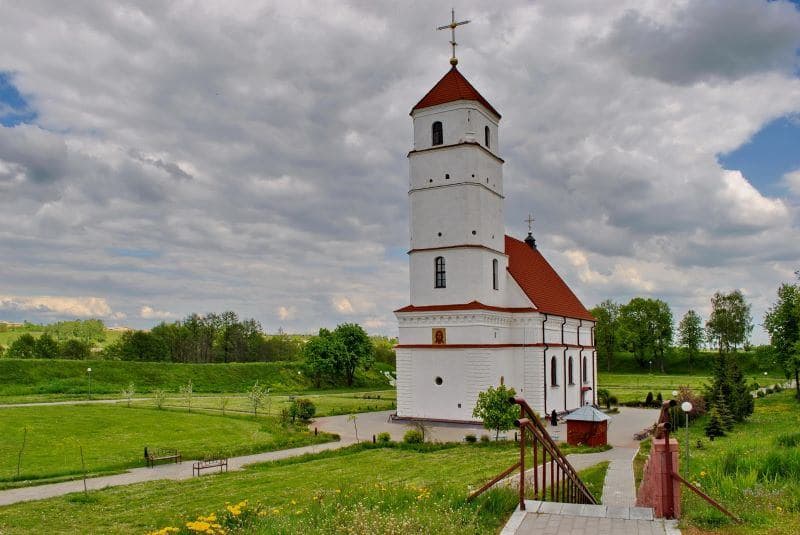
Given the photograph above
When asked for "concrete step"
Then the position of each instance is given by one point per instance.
(579, 519)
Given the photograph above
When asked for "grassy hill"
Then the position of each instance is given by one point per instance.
(31, 377)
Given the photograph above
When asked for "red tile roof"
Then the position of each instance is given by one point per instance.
(541, 283)
(453, 86)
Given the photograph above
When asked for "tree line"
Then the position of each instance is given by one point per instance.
(645, 327)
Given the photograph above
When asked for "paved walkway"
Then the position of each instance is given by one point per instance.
(68, 402)
(576, 519)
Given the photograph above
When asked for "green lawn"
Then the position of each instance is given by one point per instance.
(629, 387)
(326, 403)
(368, 489)
(113, 437)
(752, 471)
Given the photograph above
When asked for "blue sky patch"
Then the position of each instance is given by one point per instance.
(14, 109)
(771, 153)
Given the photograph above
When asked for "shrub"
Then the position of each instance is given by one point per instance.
(413, 436)
(659, 399)
(778, 388)
(485, 438)
(470, 438)
(302, 409)
(384, 438)
(769, 391)
(159, 397)
(648, 401)
(698, 402)
(760, 394)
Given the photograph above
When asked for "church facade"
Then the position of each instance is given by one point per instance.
(486, 308)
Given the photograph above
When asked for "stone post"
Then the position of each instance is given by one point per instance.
(658, 489)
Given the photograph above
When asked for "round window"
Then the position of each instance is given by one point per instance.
(438, 381)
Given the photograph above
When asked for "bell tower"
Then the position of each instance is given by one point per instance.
(456, 197)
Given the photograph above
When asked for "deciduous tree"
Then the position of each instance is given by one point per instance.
(691, 336)
(495, 409)
(730, 323)
(606, 330)
(782, 321)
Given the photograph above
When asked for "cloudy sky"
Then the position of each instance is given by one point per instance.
(159, 158)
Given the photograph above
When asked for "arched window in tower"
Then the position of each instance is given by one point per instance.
(553, 372)
(570, 372)
(437, 135)
(486, 136)
(585, 370)
(495, 275)
(440, 280)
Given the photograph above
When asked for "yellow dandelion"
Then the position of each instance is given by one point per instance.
(702, 473)
(779, 509)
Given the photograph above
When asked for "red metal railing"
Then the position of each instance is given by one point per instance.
(565, 484)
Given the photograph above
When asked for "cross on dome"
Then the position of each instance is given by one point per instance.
(453, 24)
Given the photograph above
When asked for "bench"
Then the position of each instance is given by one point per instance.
(152, 456)
(209, 463)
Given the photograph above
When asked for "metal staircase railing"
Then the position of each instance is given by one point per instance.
(565, 484)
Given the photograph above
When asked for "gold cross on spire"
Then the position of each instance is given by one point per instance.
(453, 24)
(530, 221)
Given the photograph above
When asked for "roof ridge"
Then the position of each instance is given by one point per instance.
(451, 87)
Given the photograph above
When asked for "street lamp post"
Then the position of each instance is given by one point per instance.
(686, 407)
(89, 372)
(651, 367)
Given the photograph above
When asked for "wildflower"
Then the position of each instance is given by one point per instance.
(779, 509)
(198, 526)
(702, 473)
(210, 518)
(294, 502)
(338, 491)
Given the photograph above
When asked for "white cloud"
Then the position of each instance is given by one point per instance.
(149, 313)
(286, 313)
(95, 307)
(342, 305)
(792, 181)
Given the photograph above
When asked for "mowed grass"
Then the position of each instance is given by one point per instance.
(327, 404)
(372, 489)
(632, 387)
(114, 437)
(754, 471)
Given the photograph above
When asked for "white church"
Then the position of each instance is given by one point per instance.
(485, 307)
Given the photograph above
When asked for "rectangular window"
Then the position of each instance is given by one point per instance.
(440, 280)
(495, 275)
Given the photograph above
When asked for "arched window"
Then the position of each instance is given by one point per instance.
(486, 136)
(437, 136)
(495, 276)
(440, 281)
(585, 370)
(569, 371)
(553, 372)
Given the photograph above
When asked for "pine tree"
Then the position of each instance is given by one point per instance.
(724, 413)
(740, 402)
(714, 426)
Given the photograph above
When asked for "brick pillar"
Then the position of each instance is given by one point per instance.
(657, 480)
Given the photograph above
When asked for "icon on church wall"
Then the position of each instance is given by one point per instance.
(439, 336)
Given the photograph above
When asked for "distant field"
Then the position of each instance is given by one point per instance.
(327, 404)
(114, 437)
(634, 387)
(35, 377)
